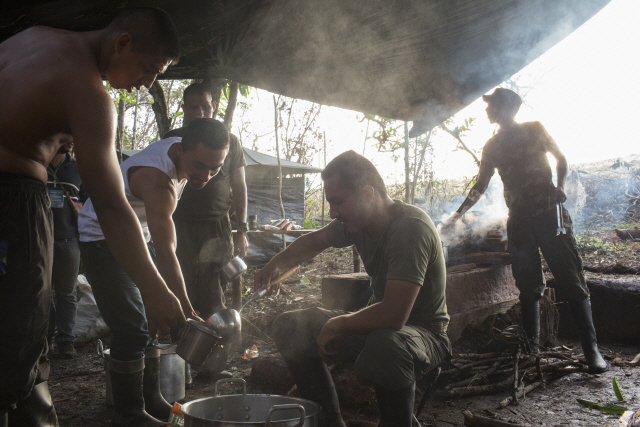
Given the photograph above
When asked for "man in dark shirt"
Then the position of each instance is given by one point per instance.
(65, 187)
(519, 152)
(203, 228)
(402, 331)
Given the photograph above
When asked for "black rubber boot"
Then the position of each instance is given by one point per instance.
(154, 403)
(584, 321)
(126, 385)
(35, 411)
(531, 319)
(396, 407)
(315, 383)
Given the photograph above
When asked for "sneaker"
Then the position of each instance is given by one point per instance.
(66, 350)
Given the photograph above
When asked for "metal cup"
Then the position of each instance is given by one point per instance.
(233, 269)
(196, 343)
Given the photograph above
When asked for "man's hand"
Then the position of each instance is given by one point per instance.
(448, 226)
(262, 279)
(240, 244)
(325, 341)
(559, 196)
(163, 312)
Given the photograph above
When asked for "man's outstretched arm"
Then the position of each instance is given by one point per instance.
(154, 187)
(302, 249)
(91, 114)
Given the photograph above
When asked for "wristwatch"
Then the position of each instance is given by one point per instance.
(243, 227)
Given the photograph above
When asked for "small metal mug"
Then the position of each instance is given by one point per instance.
(197, 342)
(253, 222)
(233, 269)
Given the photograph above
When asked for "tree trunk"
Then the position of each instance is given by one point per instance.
(216, 87)
(231, 105)
(120, 134)
(418, 168)
(159, 107)
(135, 122)
(407, 171)
(275, 112)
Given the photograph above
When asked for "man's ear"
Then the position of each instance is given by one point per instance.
(182, 107)
(369, 192)
(122, 41)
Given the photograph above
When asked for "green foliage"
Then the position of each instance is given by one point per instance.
(607, 408)
(618, 391)
(388, 136)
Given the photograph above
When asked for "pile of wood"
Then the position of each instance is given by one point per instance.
(515, 370)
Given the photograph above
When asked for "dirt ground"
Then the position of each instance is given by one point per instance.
(78, 385)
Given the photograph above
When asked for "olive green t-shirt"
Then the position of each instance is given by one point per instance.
(212, 202)
(520, 155)
(408, 249)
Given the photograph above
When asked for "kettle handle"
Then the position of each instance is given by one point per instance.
(100, 348)
(230, 380)
(275, 408)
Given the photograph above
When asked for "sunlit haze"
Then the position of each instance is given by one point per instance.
(585, 91)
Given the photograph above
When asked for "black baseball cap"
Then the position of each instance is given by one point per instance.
(504, 97)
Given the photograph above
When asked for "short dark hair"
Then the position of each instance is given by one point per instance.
(355, 171)
(196, 89)
(208, 132)
(151, 29)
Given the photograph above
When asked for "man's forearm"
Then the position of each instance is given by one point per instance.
(561, 170)
(304, 248)
(169, 269)
(472, 198)
(124, 236)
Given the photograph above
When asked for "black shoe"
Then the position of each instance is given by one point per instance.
(396, 406)
(531, 319)
(154, 403)
(35, 411)
(66, 350)
(584, 321)
(126, 386)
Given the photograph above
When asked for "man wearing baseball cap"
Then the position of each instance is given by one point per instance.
(519, 152)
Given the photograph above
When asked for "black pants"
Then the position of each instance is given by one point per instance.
(529, 236)
(203, 247)
(26, 257)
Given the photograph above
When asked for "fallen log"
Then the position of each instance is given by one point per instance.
(474, 420)
(460, 268)
(628, 233)
(488, 258)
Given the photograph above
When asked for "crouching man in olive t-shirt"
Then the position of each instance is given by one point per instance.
(402, 331)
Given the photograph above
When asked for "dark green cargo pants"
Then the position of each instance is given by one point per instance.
(385, 358)
(529, 236)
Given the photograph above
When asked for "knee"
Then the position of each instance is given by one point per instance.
(294, 332)
(385, 361)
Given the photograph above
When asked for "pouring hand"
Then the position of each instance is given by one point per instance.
(163, 312)
(262, 279)
(325, 339)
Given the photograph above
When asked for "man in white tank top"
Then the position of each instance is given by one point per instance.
(153, 180)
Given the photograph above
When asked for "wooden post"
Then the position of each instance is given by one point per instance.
(325, 165)
(407, 179)
(275, 112)
(236, 293)
(357, 267)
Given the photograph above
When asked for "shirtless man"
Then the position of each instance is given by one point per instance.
(51, 82)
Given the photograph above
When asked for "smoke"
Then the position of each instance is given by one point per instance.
(489, 213)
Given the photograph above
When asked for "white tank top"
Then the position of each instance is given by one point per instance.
(156, 156)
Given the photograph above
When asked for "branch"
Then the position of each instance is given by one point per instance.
(449, 131)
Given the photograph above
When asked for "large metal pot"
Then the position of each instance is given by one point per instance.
(250, 410)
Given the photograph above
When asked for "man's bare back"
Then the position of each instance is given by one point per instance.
(38, 68)
(51, 82)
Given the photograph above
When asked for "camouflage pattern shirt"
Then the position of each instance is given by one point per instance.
(520, 155)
